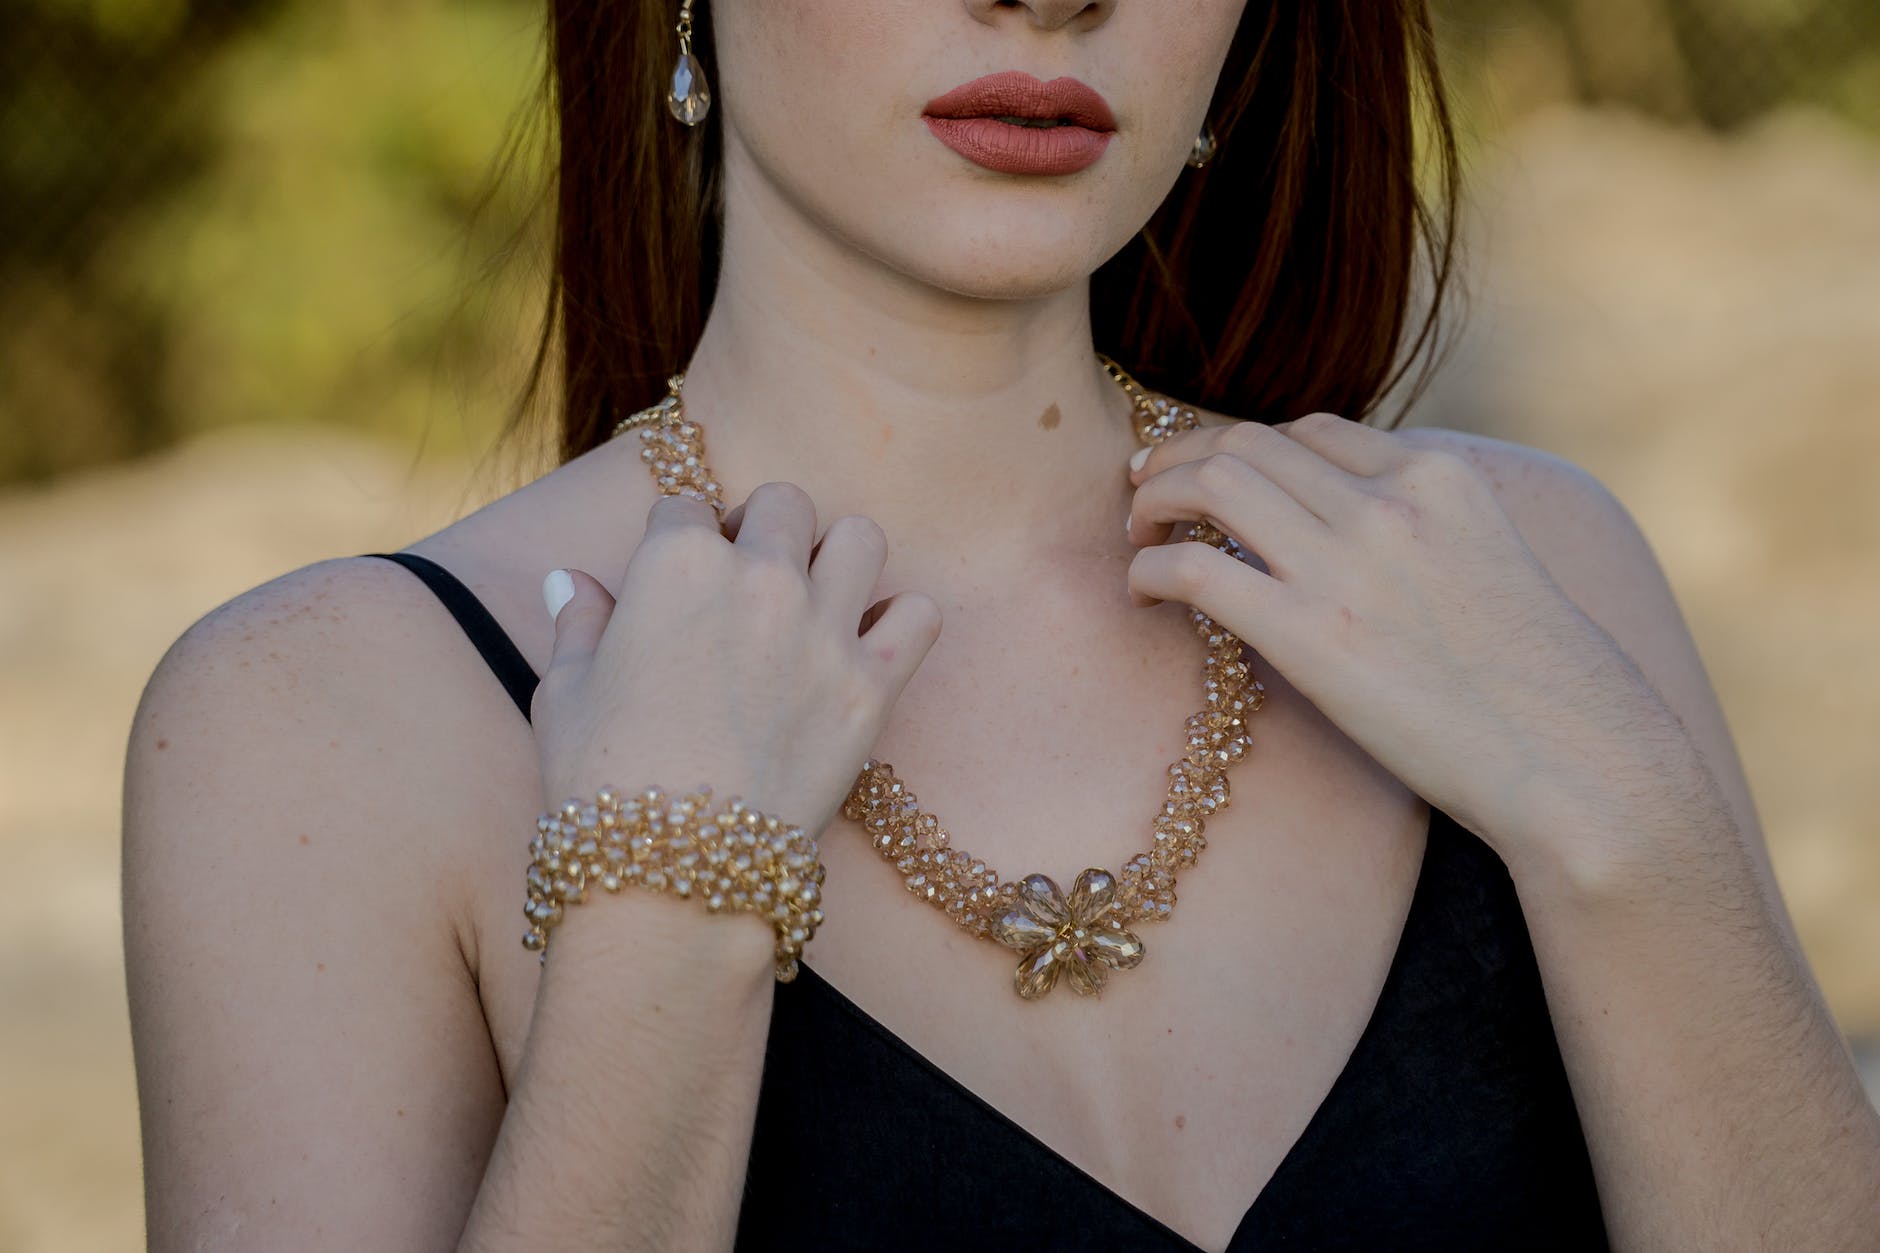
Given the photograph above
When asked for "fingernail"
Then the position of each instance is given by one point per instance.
(557, 590)
(1141, 455)
(1128, 520)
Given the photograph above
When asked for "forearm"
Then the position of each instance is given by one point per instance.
(630, 1124)
(1720, 1103)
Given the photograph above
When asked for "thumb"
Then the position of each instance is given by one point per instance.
(581, 607)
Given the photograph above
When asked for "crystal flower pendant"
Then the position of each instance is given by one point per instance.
(690, 99)
(1079, 936)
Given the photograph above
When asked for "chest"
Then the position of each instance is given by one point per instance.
(1184, 1084)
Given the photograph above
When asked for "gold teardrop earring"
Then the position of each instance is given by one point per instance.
(1203, 148)
(689, 99)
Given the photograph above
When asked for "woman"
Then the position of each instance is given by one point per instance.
(1485, 952)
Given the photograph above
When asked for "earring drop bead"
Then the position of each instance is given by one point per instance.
(1203, 148)
(691, 98)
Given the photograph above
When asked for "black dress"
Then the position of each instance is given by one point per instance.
(1451, 1126)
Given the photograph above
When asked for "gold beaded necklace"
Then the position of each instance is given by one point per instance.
(1081, 934)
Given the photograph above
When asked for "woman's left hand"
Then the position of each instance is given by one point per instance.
(1393, 591)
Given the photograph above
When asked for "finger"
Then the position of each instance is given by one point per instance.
(779, 520)
(1327, 490)
(1201, 575)
(671, 512)
(846, 566)
(1352, 446)
(1236, 498)
(1261, 611)
(900, 636)
(582, 608)
(1232, 593)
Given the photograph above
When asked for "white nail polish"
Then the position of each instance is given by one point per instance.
(557, 590)
(1141, 455)
(1128, 520)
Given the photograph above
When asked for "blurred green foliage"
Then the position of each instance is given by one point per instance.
(254, 211)
(230, 211)
(1717, 64)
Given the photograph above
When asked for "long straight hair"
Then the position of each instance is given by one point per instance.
(1274, 281)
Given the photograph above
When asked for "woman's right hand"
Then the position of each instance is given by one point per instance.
(731, 657)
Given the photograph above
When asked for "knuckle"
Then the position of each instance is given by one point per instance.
(1188, 568)
(1248, 436)
(1220, 472)
(683, 546)
(676, 505)
(1319, 420)
(1441, 465)
(668, 501)
(914, 614)
(928, 612)
(859, 529)
(785, 493)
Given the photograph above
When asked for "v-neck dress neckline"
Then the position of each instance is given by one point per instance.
(816, 985)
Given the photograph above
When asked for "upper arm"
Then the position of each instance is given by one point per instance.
(1593, 548)
(313, 1068)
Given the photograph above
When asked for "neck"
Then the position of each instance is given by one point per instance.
(975, 430)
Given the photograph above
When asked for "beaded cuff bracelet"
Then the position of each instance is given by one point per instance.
(730, 857)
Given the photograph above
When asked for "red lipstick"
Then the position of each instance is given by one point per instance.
(1066, 128)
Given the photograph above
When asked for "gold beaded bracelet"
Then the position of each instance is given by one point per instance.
(733, 858)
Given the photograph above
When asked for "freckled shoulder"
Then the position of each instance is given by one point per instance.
(1584, 538)
(305, 795)
(1593, 548)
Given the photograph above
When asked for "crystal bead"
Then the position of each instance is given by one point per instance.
(1086, 977)
(1036, 975)
(690, 98)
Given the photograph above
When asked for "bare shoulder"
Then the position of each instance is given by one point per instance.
(302, 679)
(1593, 548)
(1586, 539)
(355, 641)
(1539, 483)
(298, 791)
(324, 790)
(1590, 544)
(350, 674)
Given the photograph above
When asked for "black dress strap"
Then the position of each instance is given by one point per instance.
(504, 658)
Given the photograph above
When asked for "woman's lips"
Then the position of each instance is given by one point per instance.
(966, 120)
(1012, 149)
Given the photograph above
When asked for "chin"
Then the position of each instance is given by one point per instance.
(1000, 259)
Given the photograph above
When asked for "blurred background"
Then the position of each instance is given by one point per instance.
(270, 271)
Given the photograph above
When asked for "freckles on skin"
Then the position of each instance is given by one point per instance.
(1050, 417)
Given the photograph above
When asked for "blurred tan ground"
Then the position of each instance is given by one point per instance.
(1697, 322)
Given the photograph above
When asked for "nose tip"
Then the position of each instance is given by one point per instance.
(1046, 14)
